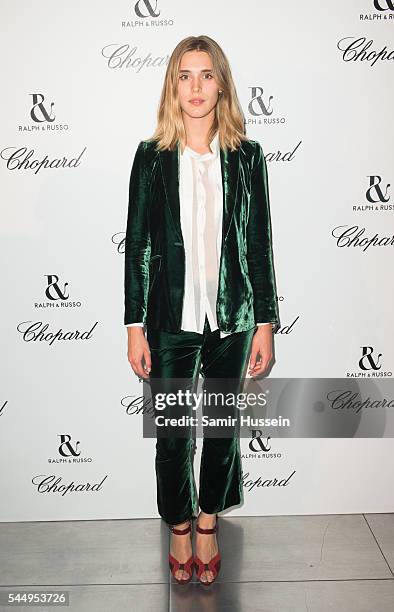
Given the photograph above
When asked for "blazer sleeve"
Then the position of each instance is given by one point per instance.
(137, 241)
(259, 243)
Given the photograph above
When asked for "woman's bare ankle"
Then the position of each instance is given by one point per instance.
(206, 521)
(181, 525)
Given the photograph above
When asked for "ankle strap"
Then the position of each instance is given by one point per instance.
(206, 531)
(180, 531)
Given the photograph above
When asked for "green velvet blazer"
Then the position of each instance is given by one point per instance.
(154, 249)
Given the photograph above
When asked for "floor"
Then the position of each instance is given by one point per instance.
(271, 564)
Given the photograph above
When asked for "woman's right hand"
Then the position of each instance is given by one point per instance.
(138, 352)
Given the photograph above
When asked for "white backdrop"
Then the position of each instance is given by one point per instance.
(81, 83)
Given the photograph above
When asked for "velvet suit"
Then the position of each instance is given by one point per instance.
(154, 289)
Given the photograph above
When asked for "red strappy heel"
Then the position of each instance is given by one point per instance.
(174, 563)
(214, 564)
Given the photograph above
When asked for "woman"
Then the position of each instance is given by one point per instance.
(199, 274)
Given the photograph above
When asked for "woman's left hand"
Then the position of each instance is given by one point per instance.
(261, 352)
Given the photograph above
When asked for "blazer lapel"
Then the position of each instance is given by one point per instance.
(229, 161)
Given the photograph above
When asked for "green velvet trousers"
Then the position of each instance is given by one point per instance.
(181, 356)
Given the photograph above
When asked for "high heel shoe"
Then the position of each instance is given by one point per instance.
(174, 564)
(214, 564)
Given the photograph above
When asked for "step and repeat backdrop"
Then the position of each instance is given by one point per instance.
(80, 88)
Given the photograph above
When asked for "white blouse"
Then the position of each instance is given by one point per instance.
(201, 212)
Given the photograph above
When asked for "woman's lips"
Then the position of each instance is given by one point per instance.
(197, 102)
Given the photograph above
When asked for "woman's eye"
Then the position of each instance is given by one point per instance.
(186, 76)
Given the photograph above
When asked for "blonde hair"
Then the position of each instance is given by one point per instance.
(229, 118)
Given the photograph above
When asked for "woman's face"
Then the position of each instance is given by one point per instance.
(197, 86)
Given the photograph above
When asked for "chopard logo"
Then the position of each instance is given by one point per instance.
(22, 159)
(136, 405)
(354, 49)
(119, 239)
(37, 331)
(126, 56)
(353, 236)
(53, 484)
(258, 482)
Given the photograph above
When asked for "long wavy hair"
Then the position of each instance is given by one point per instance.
(229, 118)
